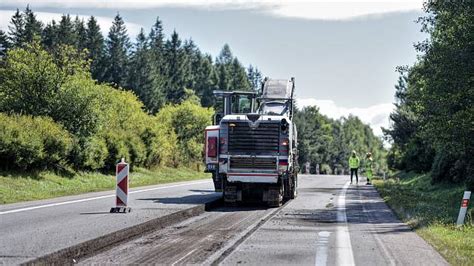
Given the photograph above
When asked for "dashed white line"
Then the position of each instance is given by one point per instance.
(95, 198)
(322, 248)
(343, 238)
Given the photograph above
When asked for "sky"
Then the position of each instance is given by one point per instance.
(343, 54)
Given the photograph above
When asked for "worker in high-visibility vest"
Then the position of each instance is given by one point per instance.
(368, 167)
(354, 164)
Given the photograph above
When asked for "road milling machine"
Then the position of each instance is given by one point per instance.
(251, 150)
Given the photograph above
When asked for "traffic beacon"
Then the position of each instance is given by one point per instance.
(121, 197)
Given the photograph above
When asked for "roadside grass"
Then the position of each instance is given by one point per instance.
(431, 210)
(16, 187)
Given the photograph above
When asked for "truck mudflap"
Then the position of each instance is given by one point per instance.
(218, 181)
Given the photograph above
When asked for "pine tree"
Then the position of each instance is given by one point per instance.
(157, 42)
(158, 60)
(80, 34)
(239, 76)
(95, 46)
(176, 69)
(4, 44)
(50, 36)
(117, 47)
(225, 56)
(257, 81)
(193, 62)
(143, 77)
(224, 78)
(66, 32)
(33, 27)
(206, 81)
(255, 77)
(17, 29)
(224, 68)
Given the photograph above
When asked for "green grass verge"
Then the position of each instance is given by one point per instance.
(432, 211)
(16, 187)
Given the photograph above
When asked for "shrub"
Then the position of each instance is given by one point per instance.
(325, 169)
(188, 120)
(77, 106)
(31, 78)
(470, 177)
(92, 153)
(106, 124)
(33, 142)
(161, 143)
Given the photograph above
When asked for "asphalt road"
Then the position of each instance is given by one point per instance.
(33, 229)
(332, 223)
(329, 223)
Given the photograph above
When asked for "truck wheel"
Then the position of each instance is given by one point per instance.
(293, 191)
(276, 195)
(287, 189)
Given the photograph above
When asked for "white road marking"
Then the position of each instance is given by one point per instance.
(322, 248)
(95, 198)
(343, 238)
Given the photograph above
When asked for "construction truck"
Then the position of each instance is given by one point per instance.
(251, 150)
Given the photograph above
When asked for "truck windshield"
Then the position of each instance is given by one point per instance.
(273, 108)
(241, 104)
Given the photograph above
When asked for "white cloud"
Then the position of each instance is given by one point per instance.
(342, 10)
(104, 22)
(306, 9)
(376, 116)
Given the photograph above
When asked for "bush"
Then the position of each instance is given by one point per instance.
(418, 156)
(188, 120)
(452, 167)
(441, 167)
(77, 106)
(31, 78)
(33, 142)
(161, 143)
(470, 178)
(325, 169)
(106, 124)
(92, 153)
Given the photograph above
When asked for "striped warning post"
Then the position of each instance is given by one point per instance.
(121, 198)
(463, 209)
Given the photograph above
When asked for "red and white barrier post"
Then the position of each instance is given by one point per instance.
(463, 210)
(121, 191)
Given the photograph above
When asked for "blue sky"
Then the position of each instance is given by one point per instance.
(343, 54)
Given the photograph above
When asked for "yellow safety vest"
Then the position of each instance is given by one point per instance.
(354, 162)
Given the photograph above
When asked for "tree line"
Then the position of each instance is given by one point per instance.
(329, 142)
(157, 69)
(54, 115)
(433, 123)
(71, 99)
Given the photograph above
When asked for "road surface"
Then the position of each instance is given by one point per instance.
(329, 223)
(33, 229)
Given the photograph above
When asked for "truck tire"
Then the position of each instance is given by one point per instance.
(276, 194)
(293, 191)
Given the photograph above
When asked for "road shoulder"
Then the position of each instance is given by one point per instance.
(379, 237)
